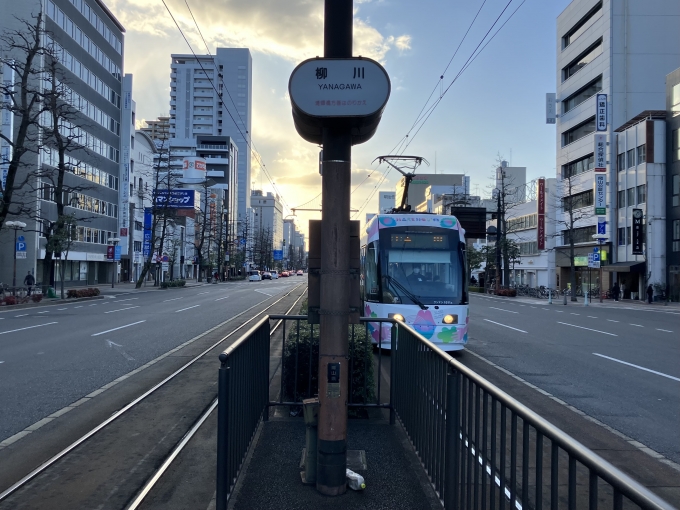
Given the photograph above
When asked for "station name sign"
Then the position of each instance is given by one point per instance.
(325, 91)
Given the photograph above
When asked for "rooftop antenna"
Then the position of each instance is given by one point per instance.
(399, 163)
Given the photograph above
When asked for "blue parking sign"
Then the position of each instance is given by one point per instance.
(21, 246)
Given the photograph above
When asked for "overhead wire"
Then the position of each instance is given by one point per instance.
(406, 141)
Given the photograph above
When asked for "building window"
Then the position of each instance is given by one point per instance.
(578, 200)
(580, 235)
(137, 246)
(582, 94)
(583, 129)
(676, 235)
(675, 137)
(580, 27)
(641, 154)
(628, 237)
(621, 238)
(642, 194)
(675, 100)
(631, 158)
(138, 226)
(631, 197)
(582, 60)
(621, 162)
(622, 199)
(578, 166)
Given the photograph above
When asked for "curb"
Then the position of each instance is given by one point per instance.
(49, 302)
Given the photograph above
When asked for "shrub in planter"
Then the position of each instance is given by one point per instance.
(10, 300)
(476, 289)
(72, 293)
(36, 298)
(304, 367)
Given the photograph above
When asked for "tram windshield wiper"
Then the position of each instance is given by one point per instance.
(399, 287)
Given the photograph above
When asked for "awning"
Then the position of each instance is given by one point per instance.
(632, 266)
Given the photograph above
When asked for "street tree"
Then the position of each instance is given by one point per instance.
(60, 243)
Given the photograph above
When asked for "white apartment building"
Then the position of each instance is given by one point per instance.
(514, 179)
(623, 49)
(212, 95)
(268, 217)
(89, 40)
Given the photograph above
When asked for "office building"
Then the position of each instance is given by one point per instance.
(385, 201)
(420, 183)
(90, 40)
(512, 180)
(673, 184)
(158, 129)
(623, 50)
(212, 95)
(268, 218)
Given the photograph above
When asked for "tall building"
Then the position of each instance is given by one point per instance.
(158, 129)
(513, 179)
(90, 43)
(673, 183)
(621, 49)
(385, 201)
(418, 187)
(212, 95)
(268, 218)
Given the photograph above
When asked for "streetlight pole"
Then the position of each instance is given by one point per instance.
(15, 225)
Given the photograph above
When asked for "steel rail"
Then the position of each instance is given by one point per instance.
(144, 492)
(136, 401)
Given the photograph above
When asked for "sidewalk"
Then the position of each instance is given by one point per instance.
(607, 303)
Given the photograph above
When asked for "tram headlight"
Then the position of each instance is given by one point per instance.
(450, 319)
(398, 317)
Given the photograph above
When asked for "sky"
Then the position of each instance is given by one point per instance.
(495, 107)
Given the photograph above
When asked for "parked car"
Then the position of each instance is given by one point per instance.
(275, 275)
(266, 275)
(254, 276)
(300, 273)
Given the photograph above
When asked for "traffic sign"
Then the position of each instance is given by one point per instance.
(20, 238)
(21, 246)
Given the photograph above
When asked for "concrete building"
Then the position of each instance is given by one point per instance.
(91, 42)
(514, 179)
(385, 201)
(268, 219)
(622, 49)
(212, 95)
(420, 183)
(673, 184)
(158, 129)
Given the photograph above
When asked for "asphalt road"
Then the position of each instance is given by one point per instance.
(618, 364)
(53, 356)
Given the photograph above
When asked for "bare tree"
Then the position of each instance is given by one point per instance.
(61, 241)
(577, 206)
(21, 51)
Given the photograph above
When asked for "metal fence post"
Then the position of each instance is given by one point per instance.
(265, 416)
(222, 479)
(452, 446)
(392, 367)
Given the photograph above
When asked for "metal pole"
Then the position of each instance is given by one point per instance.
(334, 310)
(498, 241)
(14, 276)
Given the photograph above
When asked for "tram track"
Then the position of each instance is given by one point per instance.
(143, 420)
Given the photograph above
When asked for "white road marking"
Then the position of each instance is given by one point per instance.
(220, 299)
(93, 304)
(509, 327)
(637, 325)
(173, 299)
(121, 300)
(116, 329)
(186, 308)
(203, 293)
(559, 311)
(46, 311)
(79, 306)
(121, 309)
(502, 310)
(62, 308)
(22, 315)
(612, 320)
(664, 330)
(119, 348)
(532, 306)
(28, 327)
(591, 316)
(575, 313)
(589, 329)
(638, 366)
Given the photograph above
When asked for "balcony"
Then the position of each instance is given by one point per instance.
(213, 147)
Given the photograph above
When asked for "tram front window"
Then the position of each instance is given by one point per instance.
(428, 276)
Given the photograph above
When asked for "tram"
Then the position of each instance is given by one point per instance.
(415, 265)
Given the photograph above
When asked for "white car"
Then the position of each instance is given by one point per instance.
(275, 275)
(254, 276)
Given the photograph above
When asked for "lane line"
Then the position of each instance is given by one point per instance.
(28, 327)
(638, 366)
(612, 320)
(62, 308)
(116, 329)
(509, 327)
(589, 329)
(22, 315)
(121, 309)
(186, 308)
(208, 292)
(636, 325)
(46, 311)
(93, 304)
(121, 300)
(664, 330)
(591, 316)
(78, 306)
(220, 299)
(173, 299)
(575, 313)
(502, 310)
